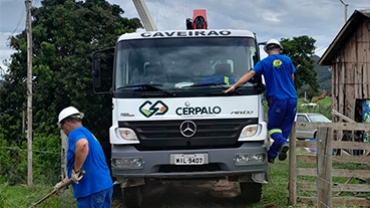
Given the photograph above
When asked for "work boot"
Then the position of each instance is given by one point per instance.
(283, 150)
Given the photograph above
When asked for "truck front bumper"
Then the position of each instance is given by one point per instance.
(160, 163)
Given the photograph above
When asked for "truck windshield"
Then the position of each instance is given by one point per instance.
(184, 63)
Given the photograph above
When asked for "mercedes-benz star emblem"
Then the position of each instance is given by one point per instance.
(188, 128)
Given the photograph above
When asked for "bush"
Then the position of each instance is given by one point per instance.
(45, 156)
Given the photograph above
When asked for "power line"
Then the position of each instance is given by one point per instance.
(165, 13)
(319, 49)
(19, 22)
(345, 10)
(9, 2)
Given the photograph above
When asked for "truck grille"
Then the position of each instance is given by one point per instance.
(166, 133)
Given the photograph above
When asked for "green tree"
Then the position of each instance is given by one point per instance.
(301, 50)
(65, 33)
(323, 75)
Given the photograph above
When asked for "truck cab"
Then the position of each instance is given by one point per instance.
(172, 120)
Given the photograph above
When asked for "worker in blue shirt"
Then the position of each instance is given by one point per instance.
(94, 188)
(278, 71)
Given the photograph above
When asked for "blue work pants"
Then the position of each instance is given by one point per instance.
(102, 199)
(281, 116)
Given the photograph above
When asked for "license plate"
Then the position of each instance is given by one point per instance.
(189, 159)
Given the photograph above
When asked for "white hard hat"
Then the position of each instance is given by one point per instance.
(272, 41)
(69, 111)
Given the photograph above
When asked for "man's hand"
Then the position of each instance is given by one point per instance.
(231, 89)
(76, 176)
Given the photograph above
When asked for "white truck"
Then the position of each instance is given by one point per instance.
(171, 119)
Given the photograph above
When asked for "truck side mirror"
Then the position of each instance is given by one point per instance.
(261, 56)
(261, 49)
(101, 72)
(96, 72)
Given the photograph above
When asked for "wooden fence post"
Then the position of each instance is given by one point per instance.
(63, 155)
(292, 166)
(324, 167)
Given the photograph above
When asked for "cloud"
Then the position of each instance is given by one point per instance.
(5, 51)
(271, 16)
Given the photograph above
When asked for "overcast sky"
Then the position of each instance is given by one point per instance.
(320, 19)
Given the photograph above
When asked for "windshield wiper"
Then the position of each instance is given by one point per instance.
(147, 87)
(209, 84)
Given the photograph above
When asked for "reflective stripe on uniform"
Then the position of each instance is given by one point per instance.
(273, 131)
(226, 80)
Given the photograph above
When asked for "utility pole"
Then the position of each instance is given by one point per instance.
(29, 92)
(345, 11)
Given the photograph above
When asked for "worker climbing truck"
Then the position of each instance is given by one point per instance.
(171, 118)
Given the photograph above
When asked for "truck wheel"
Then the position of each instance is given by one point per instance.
(132, 197)
(251, 192)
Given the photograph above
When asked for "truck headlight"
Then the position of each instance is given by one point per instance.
(249, 131)
(249, 159)
(127, 134)
(133, 163)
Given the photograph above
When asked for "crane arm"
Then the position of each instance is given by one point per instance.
(145, 16)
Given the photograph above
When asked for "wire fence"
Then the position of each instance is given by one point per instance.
(13, 166)
(48, 168)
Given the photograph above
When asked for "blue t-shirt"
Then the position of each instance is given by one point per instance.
(97, 175)
(277, 70)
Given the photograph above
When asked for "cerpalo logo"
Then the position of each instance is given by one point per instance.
(148, 109)
(198, 110)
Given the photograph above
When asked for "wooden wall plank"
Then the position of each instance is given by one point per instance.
(334, 84)
(341, 99)
(366, 58)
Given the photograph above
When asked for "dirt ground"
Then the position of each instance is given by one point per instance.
(194, 194)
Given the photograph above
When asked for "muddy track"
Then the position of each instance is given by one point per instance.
(195, 194)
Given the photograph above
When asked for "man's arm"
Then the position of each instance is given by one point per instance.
(293, 76)
(245, 78)
(81, 151)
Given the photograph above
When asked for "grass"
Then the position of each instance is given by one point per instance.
(323, 107)
(275, 192)
(21, 196)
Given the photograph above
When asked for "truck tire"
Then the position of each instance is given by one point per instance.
(132, 197)
(251, 192)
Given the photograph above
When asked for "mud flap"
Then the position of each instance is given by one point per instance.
(253, 178)
(259, 178)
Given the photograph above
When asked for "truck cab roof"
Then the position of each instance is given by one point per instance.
(187, 33)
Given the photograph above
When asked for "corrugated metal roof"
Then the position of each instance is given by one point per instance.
(352, 23)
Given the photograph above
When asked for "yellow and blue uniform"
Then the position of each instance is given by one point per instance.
(281, 96)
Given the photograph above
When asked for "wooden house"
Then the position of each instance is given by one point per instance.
(349, 58)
